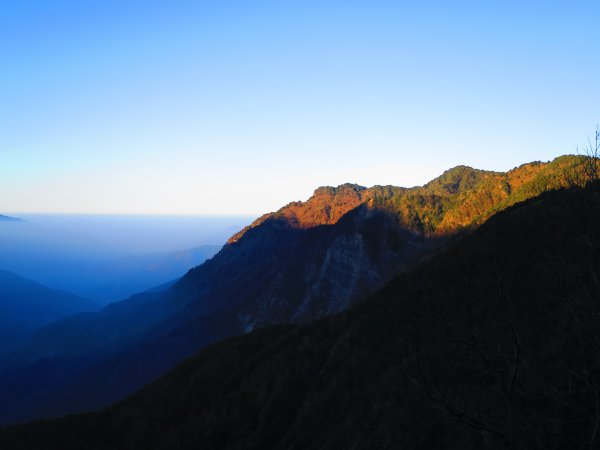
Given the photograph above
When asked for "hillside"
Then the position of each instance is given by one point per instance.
(306, 261)
(490, 344)
(26, 306)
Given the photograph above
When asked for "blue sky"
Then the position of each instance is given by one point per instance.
(238, 107)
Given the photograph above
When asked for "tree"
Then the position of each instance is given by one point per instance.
(591, 162)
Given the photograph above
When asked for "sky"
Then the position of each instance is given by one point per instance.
(239, 107)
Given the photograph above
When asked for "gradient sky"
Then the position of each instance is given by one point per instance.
(239, 107)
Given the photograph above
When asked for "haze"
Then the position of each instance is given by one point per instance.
(108, 258)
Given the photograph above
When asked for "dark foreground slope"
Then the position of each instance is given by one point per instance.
(492, 344)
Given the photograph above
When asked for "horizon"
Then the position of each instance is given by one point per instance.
(234, 108)
(149, 215)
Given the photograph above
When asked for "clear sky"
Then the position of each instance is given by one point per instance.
(239, 107)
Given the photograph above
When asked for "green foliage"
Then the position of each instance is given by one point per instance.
(460, 198)
(463, 196)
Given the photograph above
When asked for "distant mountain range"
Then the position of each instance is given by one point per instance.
(491, 343)
(26, 306)
(91, 256)
(304, 262)
(137, 273)
(9, 219)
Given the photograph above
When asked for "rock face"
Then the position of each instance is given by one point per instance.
(296, 274)
(301, 263)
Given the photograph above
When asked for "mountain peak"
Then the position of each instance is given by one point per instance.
(325, 207)
(342, 189)
(458, 179)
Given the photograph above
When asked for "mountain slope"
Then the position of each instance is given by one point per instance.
(303, 262)
(491, 344)
(26, 306)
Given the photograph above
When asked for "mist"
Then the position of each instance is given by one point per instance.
(108, 257)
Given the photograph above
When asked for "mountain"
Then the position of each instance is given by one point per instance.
(9, 219)
(490, 344)
(26, 306)
(304, 262)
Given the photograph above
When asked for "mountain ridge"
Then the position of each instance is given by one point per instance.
(485, 346)
(563, 171)
(296, 265)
